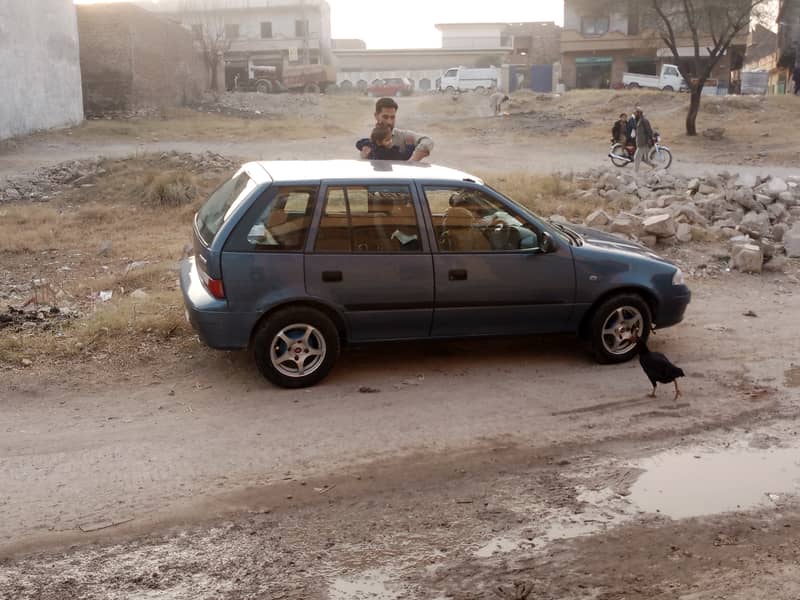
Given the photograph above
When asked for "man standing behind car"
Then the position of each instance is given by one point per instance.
(644, 139)
(386, 114)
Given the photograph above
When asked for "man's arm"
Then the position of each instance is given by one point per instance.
(423, 145)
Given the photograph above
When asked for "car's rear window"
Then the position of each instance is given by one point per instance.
(221, 204)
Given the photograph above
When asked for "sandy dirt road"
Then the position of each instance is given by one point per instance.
(471, 469)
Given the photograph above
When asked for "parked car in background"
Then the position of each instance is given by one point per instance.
(670, 80)
(391, 86)
(295, 258)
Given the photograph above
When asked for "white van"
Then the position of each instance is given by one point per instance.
(462, 79)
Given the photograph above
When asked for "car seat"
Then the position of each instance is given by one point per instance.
(460, 233)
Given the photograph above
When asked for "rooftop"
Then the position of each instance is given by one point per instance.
(331, 170)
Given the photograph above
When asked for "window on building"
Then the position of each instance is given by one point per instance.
(594, 25)
(266, 29)
(232, 31)
(301, 28)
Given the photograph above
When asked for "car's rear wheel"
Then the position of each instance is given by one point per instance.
(614, 323)
(264, 87)
(480, 90)
(296, 347)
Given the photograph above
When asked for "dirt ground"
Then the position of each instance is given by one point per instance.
(136, 463)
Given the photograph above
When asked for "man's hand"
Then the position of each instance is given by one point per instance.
(419, 155)
(365, 152)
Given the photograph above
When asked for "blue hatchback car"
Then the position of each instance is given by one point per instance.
(295, 258)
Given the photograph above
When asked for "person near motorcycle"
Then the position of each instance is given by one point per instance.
(644, 139)
(619, 132)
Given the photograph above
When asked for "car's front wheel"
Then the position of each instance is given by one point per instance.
(296, 347)
(616, 325)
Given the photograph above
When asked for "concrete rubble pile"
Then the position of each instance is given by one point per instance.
(47, 182)
(758, 217)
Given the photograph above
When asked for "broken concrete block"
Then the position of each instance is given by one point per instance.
(661, 226)
(755, 224)
(746, 180)
(598, 218)
(623, 225)
(791, 241)
(775, 186)
(747, 258)
(684, 233)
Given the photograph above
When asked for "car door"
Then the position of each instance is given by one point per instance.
(368, 257)
(493, 279)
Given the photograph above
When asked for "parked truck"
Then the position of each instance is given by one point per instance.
(669, 80)
(268, 79)
(463, 79)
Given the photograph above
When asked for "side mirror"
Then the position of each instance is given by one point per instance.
(548, 245)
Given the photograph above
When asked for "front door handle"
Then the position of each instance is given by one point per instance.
(331, 276)
(457, 275)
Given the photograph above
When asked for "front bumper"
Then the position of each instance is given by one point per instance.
(672, 310)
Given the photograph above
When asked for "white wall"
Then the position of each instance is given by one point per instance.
(39, 66)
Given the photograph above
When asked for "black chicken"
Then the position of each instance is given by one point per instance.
(658, 368)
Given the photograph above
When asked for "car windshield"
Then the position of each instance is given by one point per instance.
(221, 204)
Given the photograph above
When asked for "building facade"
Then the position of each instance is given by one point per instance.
(132, 58)
(521, 45)
(260, 33)
(39, 66)
(788, 46)
(602, 40)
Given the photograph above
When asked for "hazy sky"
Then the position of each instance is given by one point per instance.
(410, 23)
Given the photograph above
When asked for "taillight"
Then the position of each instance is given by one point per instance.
(214, 286)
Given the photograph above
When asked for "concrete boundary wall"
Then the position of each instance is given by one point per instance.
(39, 66)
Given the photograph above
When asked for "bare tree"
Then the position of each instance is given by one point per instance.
(209, 28)
(710, 26)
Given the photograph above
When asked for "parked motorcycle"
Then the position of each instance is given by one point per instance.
(621, 155)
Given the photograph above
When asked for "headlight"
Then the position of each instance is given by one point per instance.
(678, 278)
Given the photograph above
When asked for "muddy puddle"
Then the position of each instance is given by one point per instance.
(373, 585)
(702, 482)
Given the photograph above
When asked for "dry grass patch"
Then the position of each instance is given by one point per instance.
(123, 327)
(179, 124)
(546, 194)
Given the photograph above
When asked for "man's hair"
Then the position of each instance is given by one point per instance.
(622, 115)
(380, 133)
(385, 103)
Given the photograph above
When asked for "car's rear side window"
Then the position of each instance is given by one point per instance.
(221, 203)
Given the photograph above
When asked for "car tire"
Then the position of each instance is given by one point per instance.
(668, 88)
(311, 88)
(264, 87)
(611, 324)
(296, 347)
(634, 86)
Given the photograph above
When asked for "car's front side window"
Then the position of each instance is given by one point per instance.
(470, 220)
(368, 218)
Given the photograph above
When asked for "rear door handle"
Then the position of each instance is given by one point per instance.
(457, 275)
(331, 276)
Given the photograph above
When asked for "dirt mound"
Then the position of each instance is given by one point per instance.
(527, 123)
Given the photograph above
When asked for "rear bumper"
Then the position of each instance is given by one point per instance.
(210, 317)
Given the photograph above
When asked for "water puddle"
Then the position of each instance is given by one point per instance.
(498, 544)
(792, 377)
(693, 484)
(369, 585)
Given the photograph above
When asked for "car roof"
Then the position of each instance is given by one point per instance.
(331, 170)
